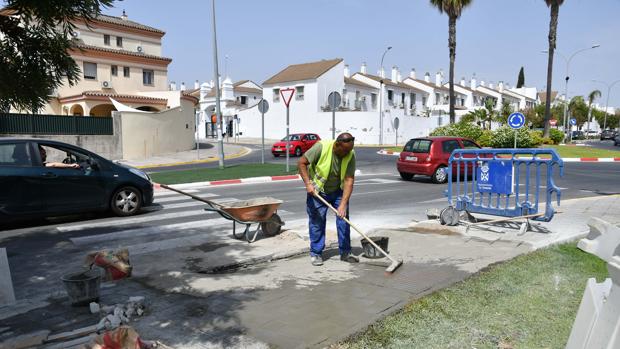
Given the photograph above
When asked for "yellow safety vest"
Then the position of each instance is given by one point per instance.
(320, 171)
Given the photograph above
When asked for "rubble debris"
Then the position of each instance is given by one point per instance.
(115, 263)
(94, 307)
(115, 316)
(124, 337)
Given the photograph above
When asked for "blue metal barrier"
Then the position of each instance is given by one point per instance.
(492, 181)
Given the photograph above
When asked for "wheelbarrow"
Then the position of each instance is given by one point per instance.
(259, 211)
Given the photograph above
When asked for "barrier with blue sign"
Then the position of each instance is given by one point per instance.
(504, 182)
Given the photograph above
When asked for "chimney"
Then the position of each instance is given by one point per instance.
(363, 69)
(482, 83)
(212, 84)
(124, 16)
(227, 90)
(412, 73)
(173, 86)
(347, 74)
(182, 86)
(473, 82)
(205, 88)
(463, 81)
(438, 78)
(491, 85)
(196, 85)
(500, 86)
(394, 73)
(398, 76)
(427, 77)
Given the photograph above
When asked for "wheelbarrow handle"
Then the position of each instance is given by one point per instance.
(317, 195)
(191, 196)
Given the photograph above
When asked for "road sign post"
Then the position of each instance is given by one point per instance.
(516, 121)
(396, 123)
(263, 107)
(573, 122)
(287, 95)
(334, 100)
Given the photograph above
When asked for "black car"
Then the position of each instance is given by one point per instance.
(46, 178)
(578, 135)
(617, 141)
(608, 134)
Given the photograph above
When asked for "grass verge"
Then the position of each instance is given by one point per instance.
(215, 174)
(567, 151)
(528, 302)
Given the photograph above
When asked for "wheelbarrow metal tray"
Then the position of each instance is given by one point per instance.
(253, 210)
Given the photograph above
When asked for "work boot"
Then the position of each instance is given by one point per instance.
(349, 258)
(316, 260)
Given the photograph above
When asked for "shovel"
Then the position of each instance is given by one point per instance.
(395, 263)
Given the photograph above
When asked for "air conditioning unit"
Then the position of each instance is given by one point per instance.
(139, 48)
(106, 84)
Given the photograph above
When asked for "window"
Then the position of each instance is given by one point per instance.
(390, 95)
(126, 72)
(114, 70)
(90, 71)
(470, 144)
(244, 100)
(373, 100)
(148, 77)
(411, 100)
(449, 146)
(418, 146)
(402, 98)
(106, 39)
(424, 101)
(15, 154)
(276, 95)
(299, 93)
(119, 41)
(437, 98)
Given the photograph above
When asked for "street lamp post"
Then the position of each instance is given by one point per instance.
(381, 98)
(564, 123)
(609, 86)
(218, 112)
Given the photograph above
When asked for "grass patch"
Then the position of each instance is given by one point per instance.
(215, 174)
(567, 151)
(528, 302)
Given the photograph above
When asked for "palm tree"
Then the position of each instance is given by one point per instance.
(553, 29)
(453, 8)
(591, 97)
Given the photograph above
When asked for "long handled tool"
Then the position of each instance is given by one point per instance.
(395, 263)
(191, 196)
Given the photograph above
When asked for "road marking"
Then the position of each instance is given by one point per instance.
(431, 201)
(133, 220)
(183, 197)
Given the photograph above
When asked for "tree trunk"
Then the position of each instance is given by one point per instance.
(452, 45)
(553, 26)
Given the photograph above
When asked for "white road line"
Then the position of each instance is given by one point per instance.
(183, 197)
(383, 180)
(431, 201)
(133, 220)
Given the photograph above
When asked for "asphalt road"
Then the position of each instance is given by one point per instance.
(606, 144)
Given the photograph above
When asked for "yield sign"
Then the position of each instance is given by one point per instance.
(287, 94)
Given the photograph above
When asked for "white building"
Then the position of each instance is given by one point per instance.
(437, 102)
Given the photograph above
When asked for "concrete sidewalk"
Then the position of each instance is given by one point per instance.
(211, 291)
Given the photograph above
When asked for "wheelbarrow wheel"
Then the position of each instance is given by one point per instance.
(273, 226)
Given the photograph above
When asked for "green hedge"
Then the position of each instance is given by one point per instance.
(502, 137)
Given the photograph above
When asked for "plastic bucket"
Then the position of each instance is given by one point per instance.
(82, 287)
(370, 251)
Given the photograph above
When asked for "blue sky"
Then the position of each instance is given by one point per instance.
(494, 38)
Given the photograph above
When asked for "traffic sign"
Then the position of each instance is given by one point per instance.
(516, 120)
(334, 100)
(396, 123)
(553, 122)
(263, 106)
(287, 95)
(573, 121)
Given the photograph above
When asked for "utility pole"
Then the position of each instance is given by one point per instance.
(218, 112)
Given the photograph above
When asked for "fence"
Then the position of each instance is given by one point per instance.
(55, 124)
(504, 182)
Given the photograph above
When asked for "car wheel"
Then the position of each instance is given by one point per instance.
(406, 176)
(298, 151)
(440, 175)
(126, 201)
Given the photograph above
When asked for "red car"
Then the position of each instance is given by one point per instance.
(299, 143)
(429, 156)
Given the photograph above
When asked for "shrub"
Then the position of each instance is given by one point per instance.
(537, 138)
(485, 138)
(461, 129)
(547, 140)
(556, 135)
(504, 137)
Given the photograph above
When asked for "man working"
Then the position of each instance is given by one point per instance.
(328, 169)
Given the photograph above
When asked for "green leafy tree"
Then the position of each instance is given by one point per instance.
(578, 109)
(554, 6)
(453, 8)
(35, 39)
(505, 111)
(521, 79)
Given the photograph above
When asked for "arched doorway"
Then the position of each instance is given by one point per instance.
(102, 110)
(147, 108)
(76, 110)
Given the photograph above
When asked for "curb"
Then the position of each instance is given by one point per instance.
(263, 179)
(244, 152)
(395, 153)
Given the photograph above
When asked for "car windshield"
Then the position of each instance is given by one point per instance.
(292, 138)
(418, 146)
